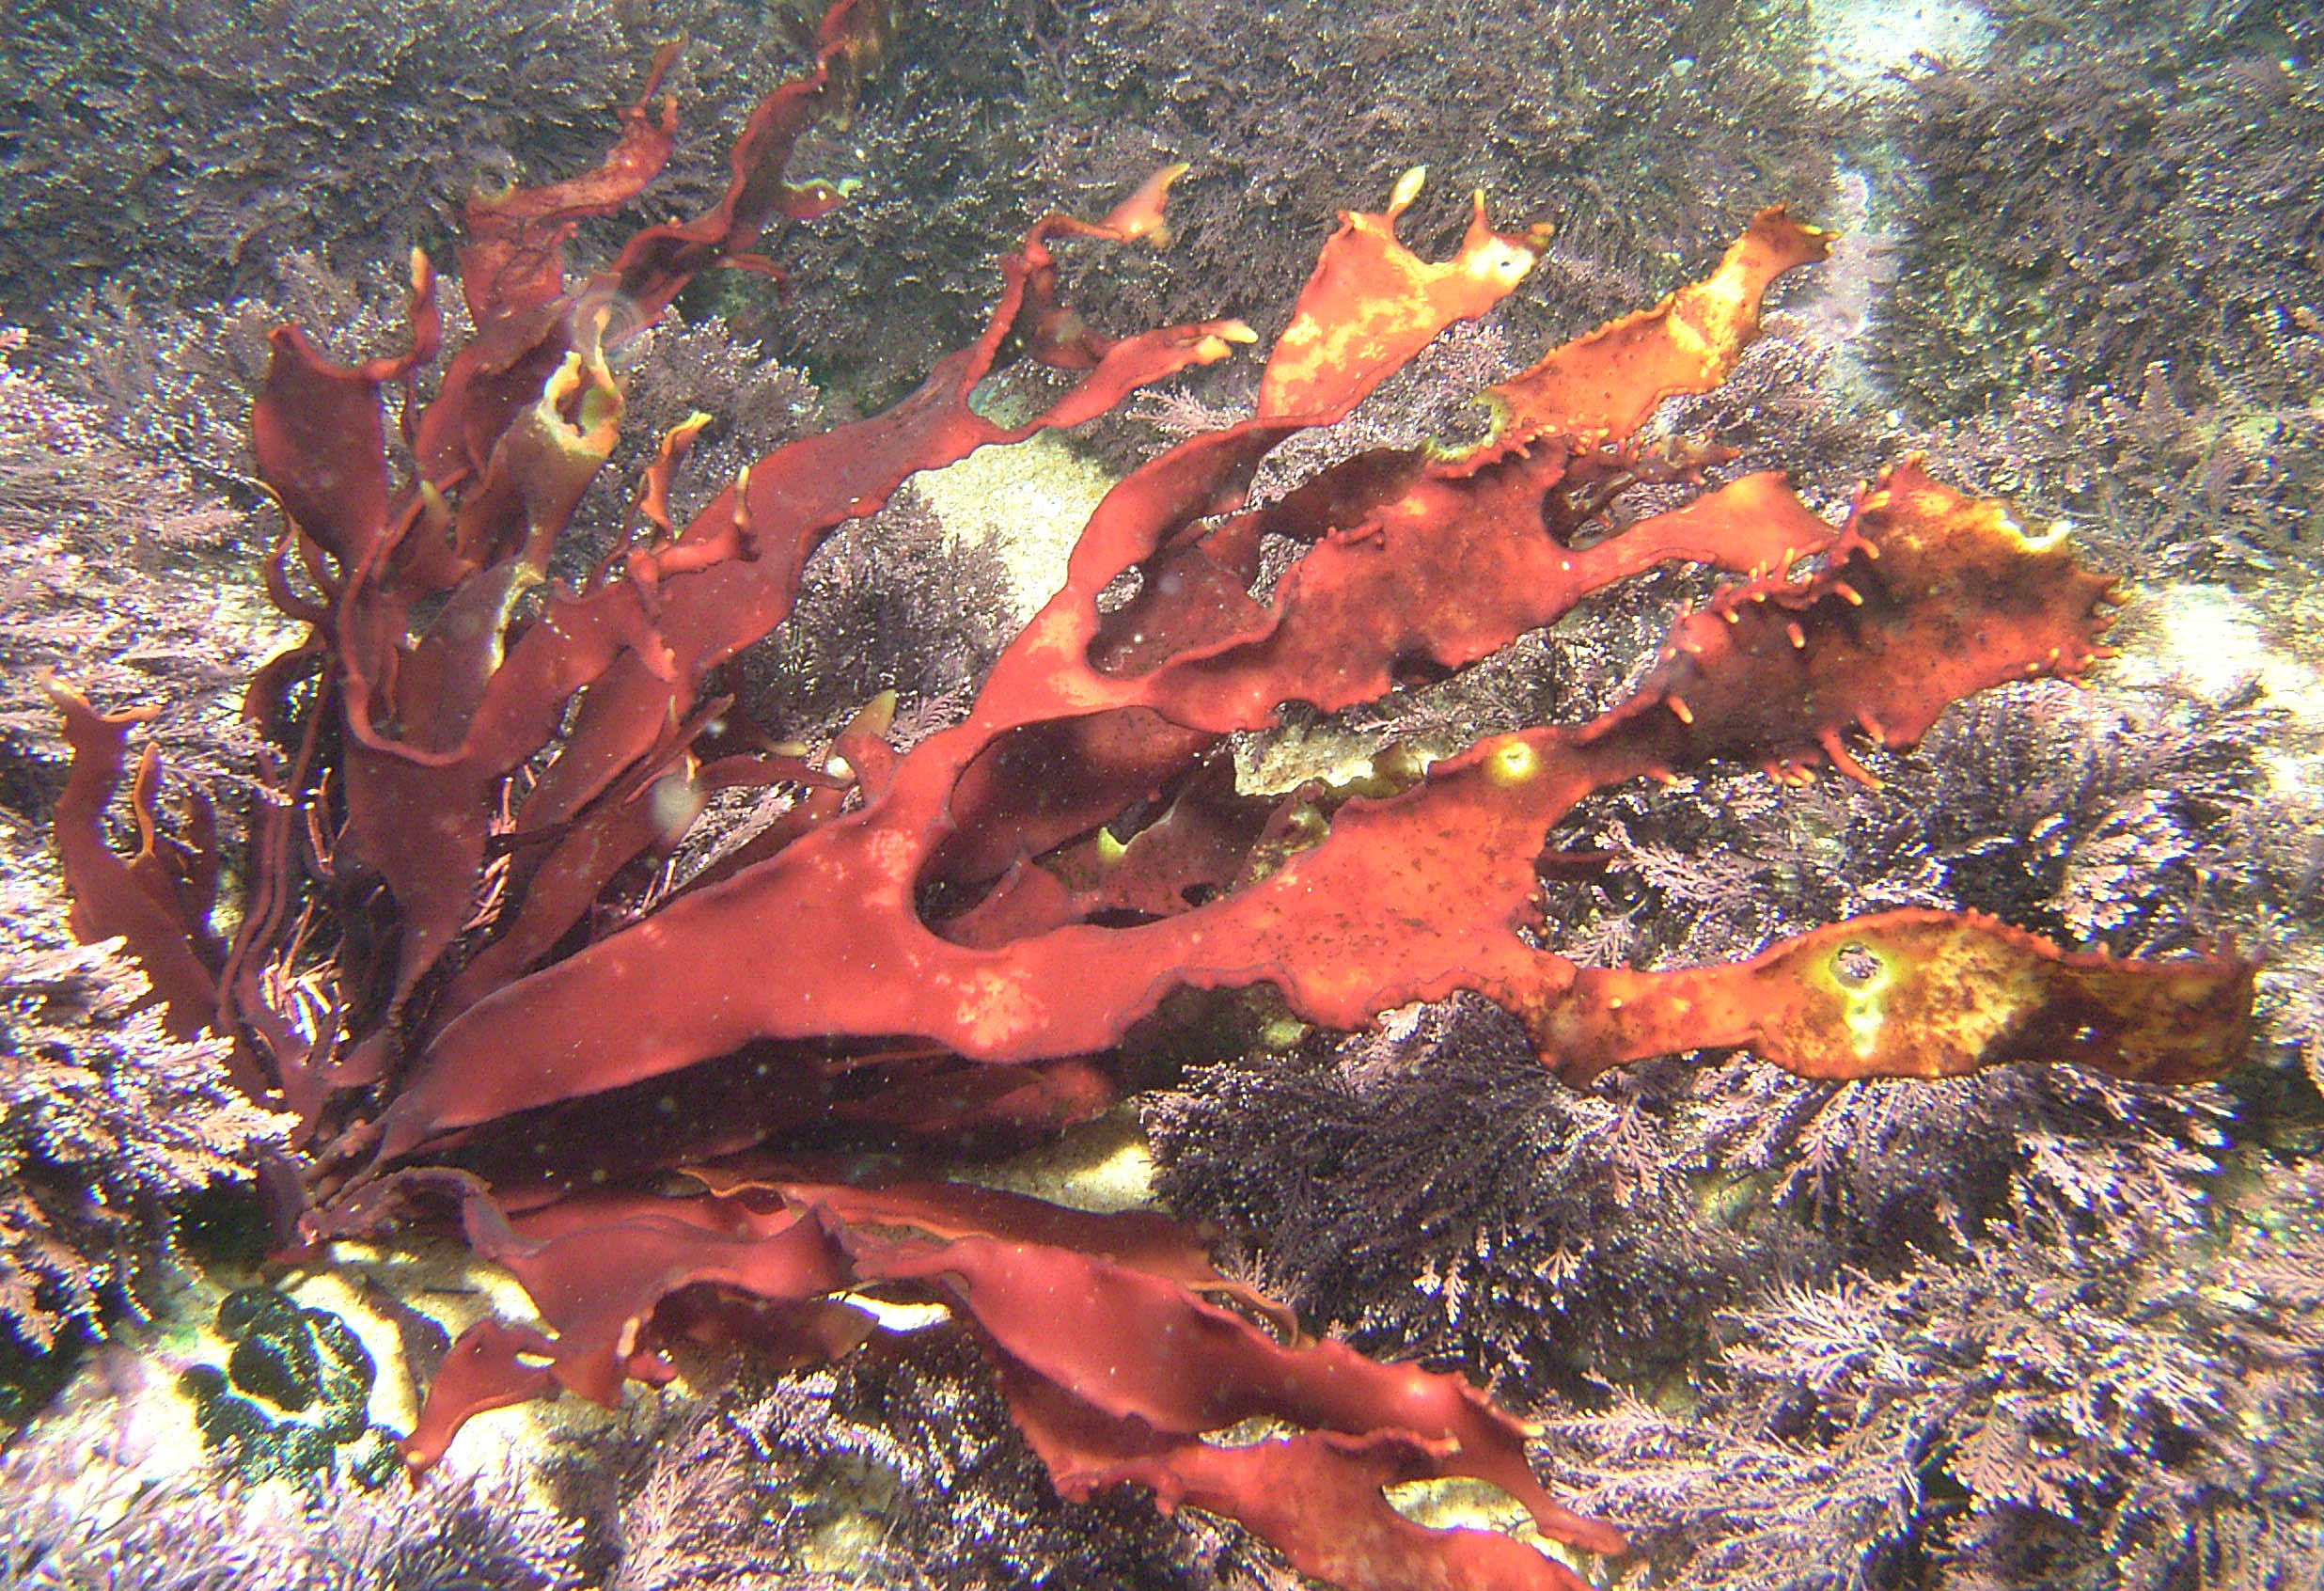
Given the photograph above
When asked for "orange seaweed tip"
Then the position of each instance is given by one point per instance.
(1140, 215)
(1236, 332)
(68, 700)
(1834, 748)
(1400, 197)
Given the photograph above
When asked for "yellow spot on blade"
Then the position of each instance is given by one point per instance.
(1513, 763)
